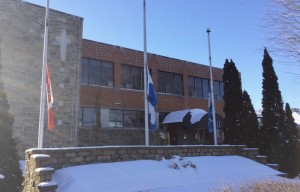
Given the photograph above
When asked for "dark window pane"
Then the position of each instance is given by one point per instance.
(191, 86)
(115, 118)
(198, 87)
(84, 70)
(95, 72)
(132, 77)
(205, 88)
(217, 90)
(107, 74)
(136, 77)
(161, 78)
(126, 77)
(140, 119)
(89, 117)
(221, 90)
(169, 83)
(129, 118)
(178, 88)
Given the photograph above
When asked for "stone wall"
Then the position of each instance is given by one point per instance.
(41, 163)
(21, 47)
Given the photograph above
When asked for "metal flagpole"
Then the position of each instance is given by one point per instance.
(146, 81)
(212, 90)
(43, 87)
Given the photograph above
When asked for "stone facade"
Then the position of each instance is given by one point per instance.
(21, 47)
(41, 163)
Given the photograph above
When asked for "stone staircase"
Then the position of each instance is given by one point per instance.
(253, 153)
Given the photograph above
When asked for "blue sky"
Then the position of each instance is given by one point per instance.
(177, 28)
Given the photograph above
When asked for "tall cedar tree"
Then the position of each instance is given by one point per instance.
(273, 113)
(249, 124)
(9, 163)
(233, 103)
(291, 162)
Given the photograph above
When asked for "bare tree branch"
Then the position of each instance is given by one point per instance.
(283, 29)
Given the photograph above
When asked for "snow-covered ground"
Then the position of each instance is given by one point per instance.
(187, 174)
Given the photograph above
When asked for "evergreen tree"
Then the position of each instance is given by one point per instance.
(233, 103)
(249, 124)
(9, 163)
(273, 113)
(291, 145)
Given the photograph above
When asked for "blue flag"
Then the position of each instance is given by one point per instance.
(152, 101)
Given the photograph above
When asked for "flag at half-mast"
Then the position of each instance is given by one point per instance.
(152, 101)
(210, 114)
(51, 125)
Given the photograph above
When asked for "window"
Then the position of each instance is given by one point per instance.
(170, 83)
(199, 87)
(126, 118)
(205, 88)
(195, 87)
(88, 117)
(132, 77)
(97, 72)
(218, 90)
(115, 118)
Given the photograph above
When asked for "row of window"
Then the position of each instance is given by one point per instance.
(118, 118)
(98, 72)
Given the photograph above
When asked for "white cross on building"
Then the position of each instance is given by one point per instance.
(63, 42)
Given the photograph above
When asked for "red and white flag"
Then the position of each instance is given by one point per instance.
(51, 125)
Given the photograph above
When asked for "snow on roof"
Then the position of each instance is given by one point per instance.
(177, 116)
(296, 116)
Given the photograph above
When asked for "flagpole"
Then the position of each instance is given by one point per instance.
(43, 87)
(212, 90)
(145, 81)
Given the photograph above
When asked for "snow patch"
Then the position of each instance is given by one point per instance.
(39, 155)
(209, 173)
(44, 169)
(47, 184)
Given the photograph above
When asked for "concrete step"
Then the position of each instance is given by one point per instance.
(250, 153)
(273, 165)
(48, 186)
(283, 175)
(261, 159)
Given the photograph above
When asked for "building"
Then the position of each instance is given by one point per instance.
(97, 88)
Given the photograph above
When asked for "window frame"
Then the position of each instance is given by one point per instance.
(98, 76)
(131, 82)
(168, 81)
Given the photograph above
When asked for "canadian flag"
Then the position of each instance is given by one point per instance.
(51, 125)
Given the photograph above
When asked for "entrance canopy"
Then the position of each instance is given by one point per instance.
(179, 116)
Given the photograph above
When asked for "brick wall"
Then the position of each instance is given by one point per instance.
(134, 99)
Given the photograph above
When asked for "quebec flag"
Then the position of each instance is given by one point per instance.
(152, 101)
